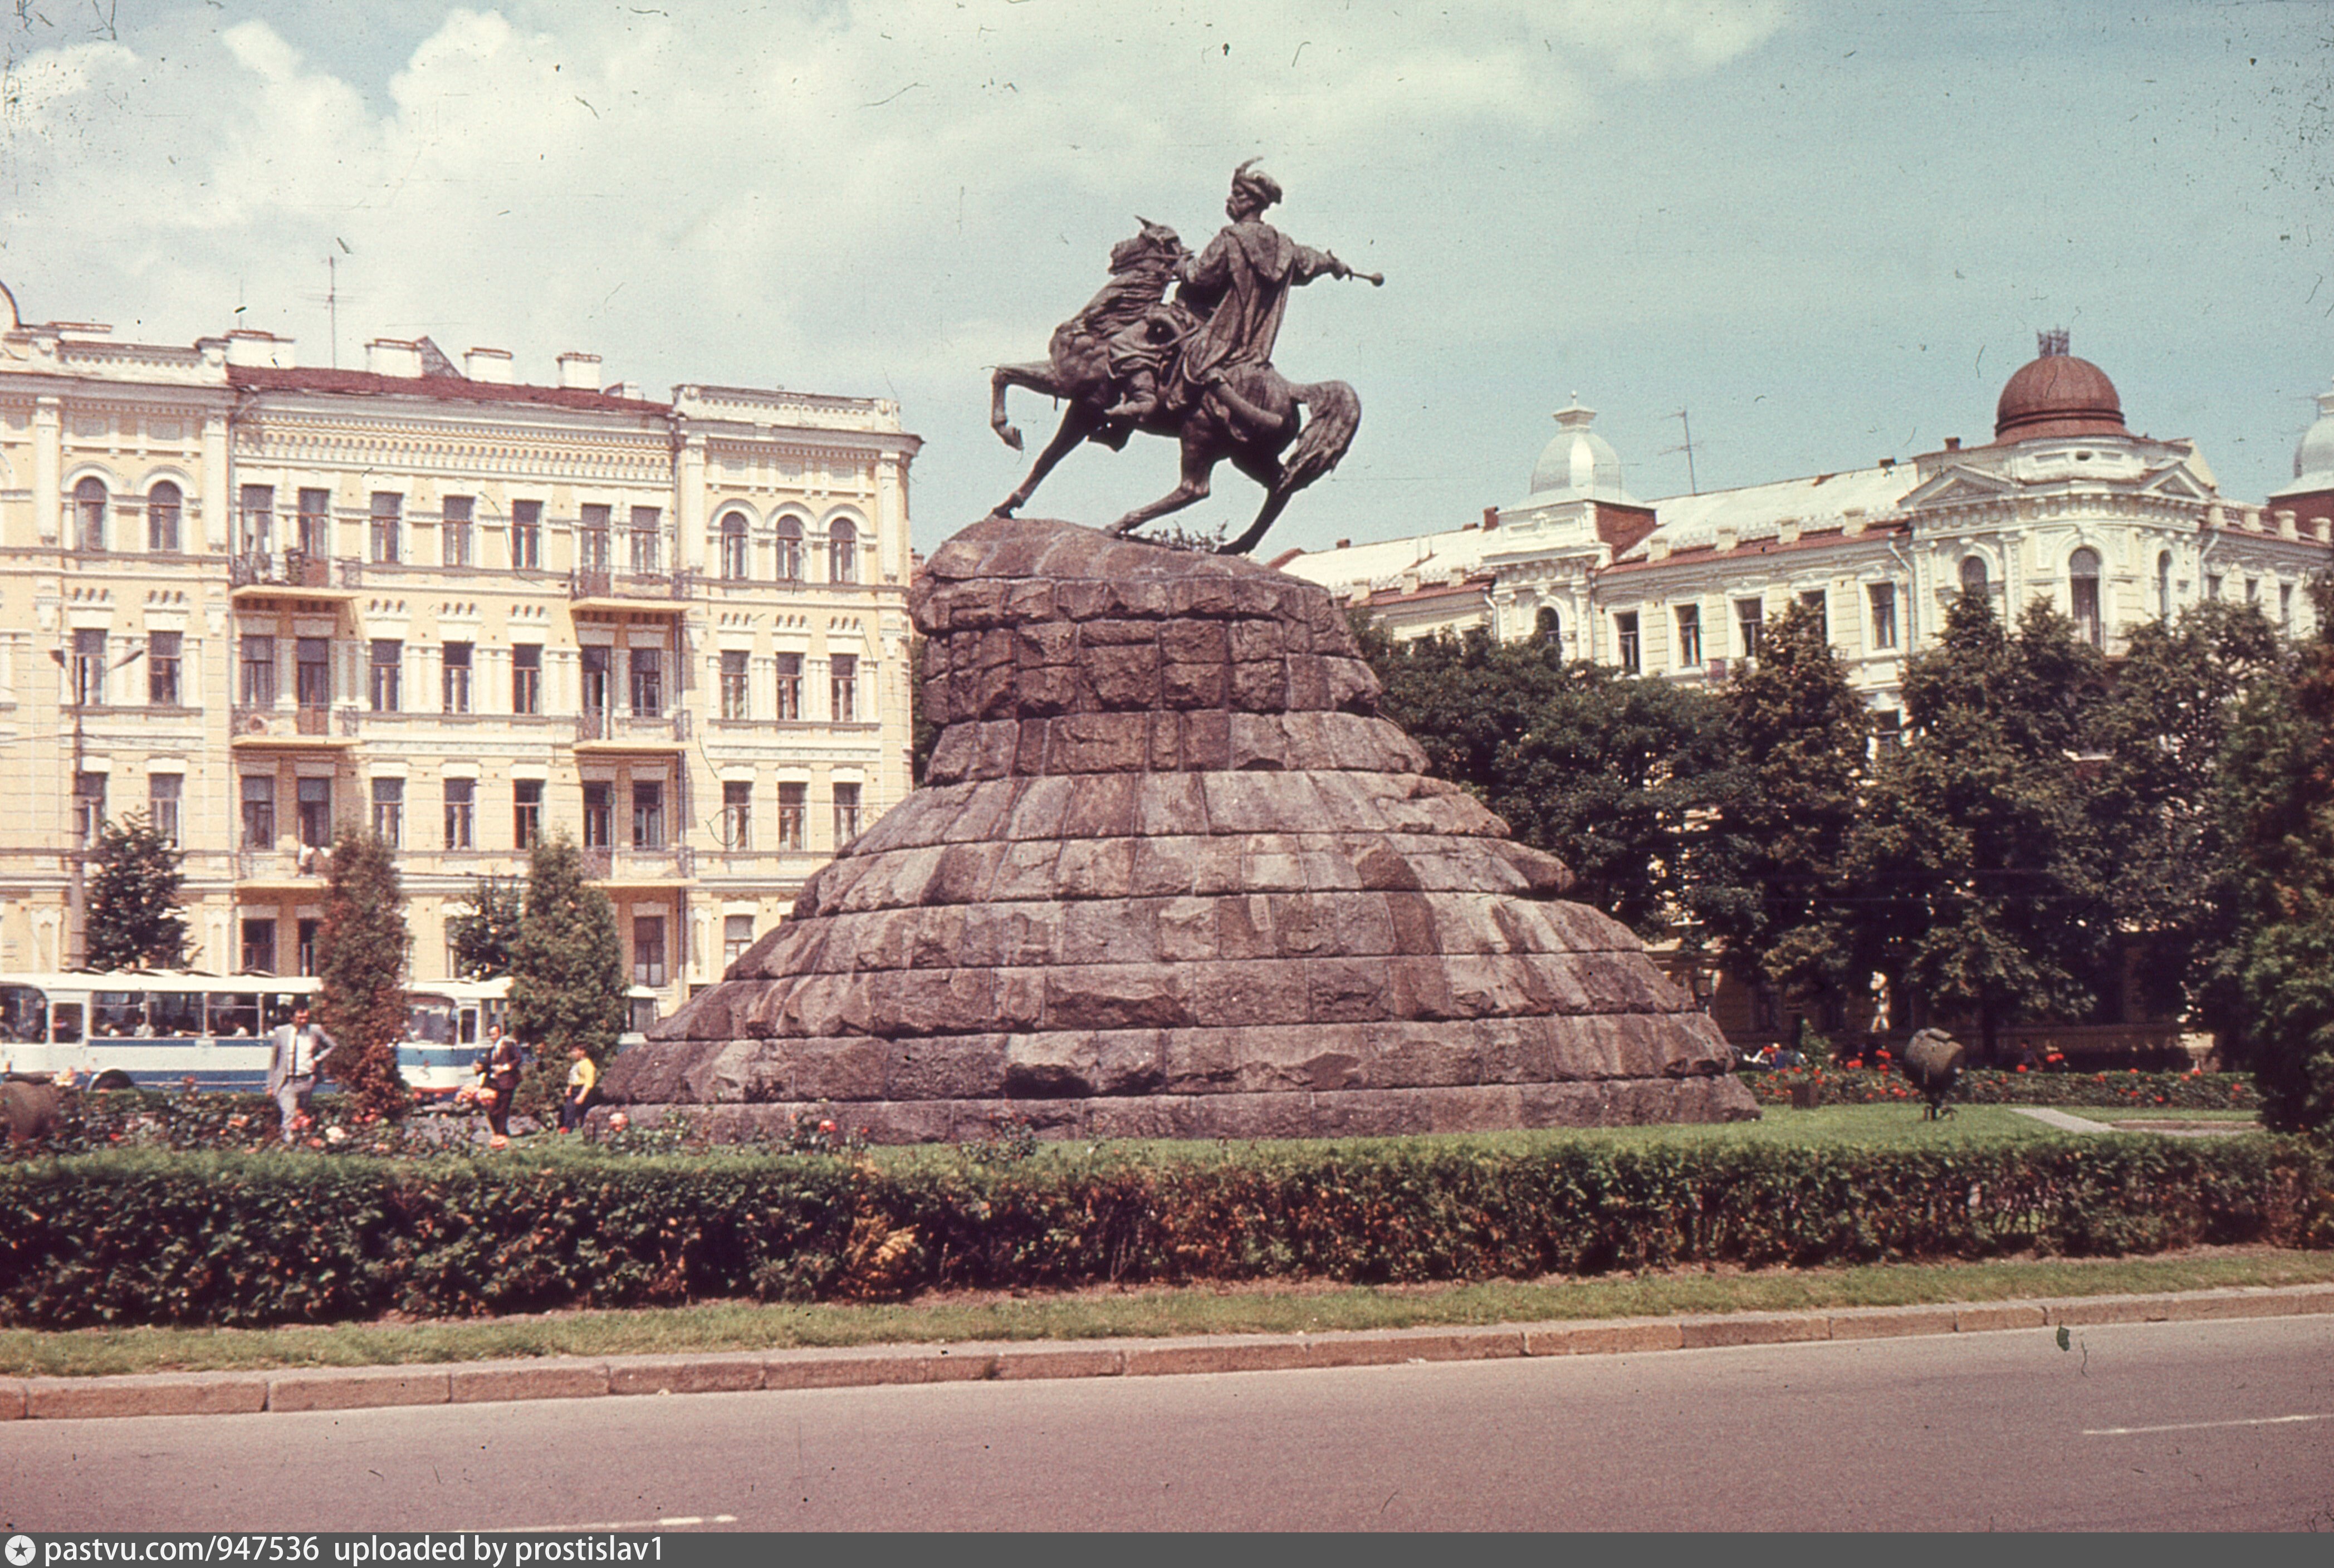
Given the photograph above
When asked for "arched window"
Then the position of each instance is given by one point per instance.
(1974, 574)
(2164, 586)
(2083, 594)
(162, 518)
(1548, 626)
(735, 565)
(89, 514)
(789, 550)
(842, 552)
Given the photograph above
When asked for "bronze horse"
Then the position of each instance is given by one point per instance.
(1249, 415)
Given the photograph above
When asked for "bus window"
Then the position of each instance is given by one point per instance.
(234, 1015)
(115, 1014)
(24, 1016)
(280, 1007)
(469, 1026)
(176, 1015)
(430, 1019)
(65, 1026)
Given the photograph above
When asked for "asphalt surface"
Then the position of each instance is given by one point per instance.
(2176, 1426)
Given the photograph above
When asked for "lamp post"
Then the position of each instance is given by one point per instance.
(77, 857)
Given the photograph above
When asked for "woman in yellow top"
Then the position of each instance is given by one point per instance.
(583, 1078)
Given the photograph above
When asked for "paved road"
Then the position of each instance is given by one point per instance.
(2226, 1426)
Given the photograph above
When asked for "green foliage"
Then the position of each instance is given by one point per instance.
(228, 1239)
(923, 735)
(133, 920)
(2127, 1090)
(567, 974)
(2279, 769)
(360, 959)
(482, 932)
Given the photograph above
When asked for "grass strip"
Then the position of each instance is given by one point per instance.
(1140, 1313)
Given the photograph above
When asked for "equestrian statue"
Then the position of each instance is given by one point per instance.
(1197, 367)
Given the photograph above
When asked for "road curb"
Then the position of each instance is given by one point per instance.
(741, 1371)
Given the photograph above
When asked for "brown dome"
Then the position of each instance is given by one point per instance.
(2057, 395)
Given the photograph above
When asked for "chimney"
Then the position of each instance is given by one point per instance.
(1657, 548)
(1787, 532)
(581, 371)
(1410, 583)
(624, 389)
(1728, 537)
(2286, 528)
(1952, 443)
(1344, 544)
(489, 365)
(264, 351)
(1853, 521)
(1490, 516)
(393, 357)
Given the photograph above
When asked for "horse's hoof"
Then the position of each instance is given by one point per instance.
(1012, 435)
(1005, 510)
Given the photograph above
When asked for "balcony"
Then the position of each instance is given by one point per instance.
(597, 588)
(267, 572)
(293, 728)
(638, 868)
(303, 868)
(600, 732)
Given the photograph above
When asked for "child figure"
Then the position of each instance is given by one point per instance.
(583, 1078)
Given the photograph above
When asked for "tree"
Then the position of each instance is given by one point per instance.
(1780, 892)
(360, 959)
(483, 933)
(567, 974)
(1990, 897)
(134, 899)
(2280, 806)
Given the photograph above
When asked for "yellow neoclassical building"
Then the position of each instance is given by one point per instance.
(259, 600)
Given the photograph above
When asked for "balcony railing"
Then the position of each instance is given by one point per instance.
(284, 723)
(273, 865)
(292, 568)
(598, 724)
(602, 864)
(600, 583)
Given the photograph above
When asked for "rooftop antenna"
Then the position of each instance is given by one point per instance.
(332, 294)
(1691, 484)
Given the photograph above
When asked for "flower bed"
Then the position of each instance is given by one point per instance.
(2127, 1090)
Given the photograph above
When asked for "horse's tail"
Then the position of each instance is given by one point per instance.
(1332, 414)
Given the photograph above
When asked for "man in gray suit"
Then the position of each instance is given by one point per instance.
(300, 1047)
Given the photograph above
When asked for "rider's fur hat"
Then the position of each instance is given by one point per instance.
(1257, 183)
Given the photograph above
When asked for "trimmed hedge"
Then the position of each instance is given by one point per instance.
(142, 1237)
(2127, 1090)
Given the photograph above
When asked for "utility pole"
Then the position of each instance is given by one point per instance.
(77, 856)
(1691, 484)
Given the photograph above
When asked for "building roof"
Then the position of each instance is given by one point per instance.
(460, 388)
(2057, 394)
(1819, 502)
(1357, 568)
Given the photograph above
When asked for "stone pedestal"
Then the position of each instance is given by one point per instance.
(1172, 877)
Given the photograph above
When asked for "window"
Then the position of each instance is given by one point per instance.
(88, 670)
(793, 809)
(737, 815)
(647, 682)
(2285, 607)
(258, 947)
(1548, 626)
(388, 526)
(592, 539)
(89, 807)
(162, 508)
(526, 812)
(2083, 594)
(646, 533)
(526, 677)
(2164, 586)
(526, 537)
(1819, 603)
(842, 553)
(2252, 591)
(844, 683)
(846, 813)
(1888, 728)
(1626, 637)
(458, 678)
(1974, 574)
(455, 539)
(259, 812)
(258, 529)
(313, 674)
(89, 514)
(311, 934)
(1749, 616)
(648, 816)
(736, 936)
(648, 949)
(789, 685)
(789, 541)
(734, 701)
(389, 812)
(164, 794)
(162, 653)
(1883, 598)
(315, 805)
(461, 803)
(388, 660)
(1689, 635)
(2212, 586)
(599, 817)
(735, 552)
(257, 689)
(317, 524)
(594, 661)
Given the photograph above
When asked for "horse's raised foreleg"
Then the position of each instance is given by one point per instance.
(1038, 378)
(1076, 425)
(1198, 465)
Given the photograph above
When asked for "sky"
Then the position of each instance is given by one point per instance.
(1814, 234)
